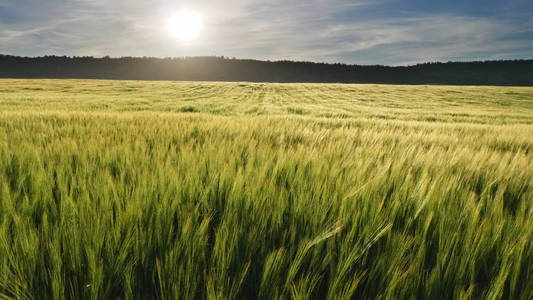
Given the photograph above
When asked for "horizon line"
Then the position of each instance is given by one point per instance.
(270, 61)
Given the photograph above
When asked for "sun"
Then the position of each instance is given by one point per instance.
(185, 25)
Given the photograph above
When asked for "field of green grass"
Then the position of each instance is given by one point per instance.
(163, 190)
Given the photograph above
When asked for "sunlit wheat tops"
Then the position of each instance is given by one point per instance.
(143, 190)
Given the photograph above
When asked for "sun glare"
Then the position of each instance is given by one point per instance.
(185, 26)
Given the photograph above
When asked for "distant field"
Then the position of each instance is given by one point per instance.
(141, 190)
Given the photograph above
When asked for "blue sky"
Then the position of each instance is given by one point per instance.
(394, 32)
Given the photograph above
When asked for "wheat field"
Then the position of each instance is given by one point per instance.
(198, 190)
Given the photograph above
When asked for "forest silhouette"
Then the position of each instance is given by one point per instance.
(502, 72)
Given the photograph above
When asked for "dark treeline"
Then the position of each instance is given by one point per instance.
(509, 72)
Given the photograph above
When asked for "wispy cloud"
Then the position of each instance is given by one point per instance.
(320, 30)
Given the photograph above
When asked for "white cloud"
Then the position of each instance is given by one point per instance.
(318, 30)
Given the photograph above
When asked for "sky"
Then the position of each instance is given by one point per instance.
(391, 32)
